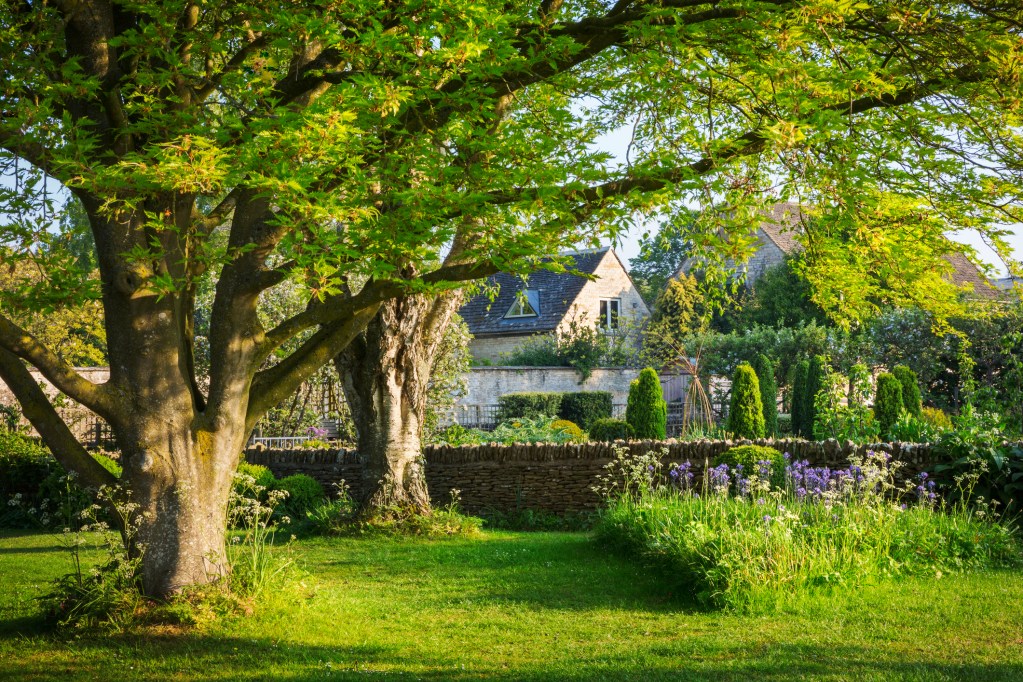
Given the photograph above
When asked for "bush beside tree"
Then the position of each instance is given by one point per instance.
(911, 400)
(646, 411)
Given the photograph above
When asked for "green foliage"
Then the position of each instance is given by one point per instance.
(608, 430)
(936, 418)
(842, 416)
(456, 435)
(585, 407)
(526, 430)
(756, 550)
(746, 412)
(799, 400)
(750, 457)
(580, 346)
(304, 493)
(910, 429)
(764, 369)
(448, 374)
(678, 313)
(660, 257)
(784, 424)
(646, 410)
(977, 449)
(261, 476)
(887, 402)
(528, 405)
(780, 297)
(911, 400)
(815, 377)
(570, 429)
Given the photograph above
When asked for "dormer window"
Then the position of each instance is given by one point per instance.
(527, 304)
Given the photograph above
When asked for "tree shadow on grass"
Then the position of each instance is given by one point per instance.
(235, 658)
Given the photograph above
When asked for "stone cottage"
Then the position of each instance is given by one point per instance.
(550, 302)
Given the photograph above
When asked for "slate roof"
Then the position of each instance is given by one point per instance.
(557, 292)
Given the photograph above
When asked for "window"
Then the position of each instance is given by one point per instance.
(527, 304)
(610, 312)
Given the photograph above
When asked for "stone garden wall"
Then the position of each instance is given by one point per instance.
(552, 477)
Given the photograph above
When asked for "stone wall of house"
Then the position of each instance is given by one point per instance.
(494, 349)
(612, 281)
(550, 477)
(486, 384)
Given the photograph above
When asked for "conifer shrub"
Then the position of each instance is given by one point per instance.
(586, 407)
(815, 376)
(746, 412)
(798, 419)
(646, 411)
(608, 430)
(887, 402)
(764, 368)
(911, 400)
(528, 405)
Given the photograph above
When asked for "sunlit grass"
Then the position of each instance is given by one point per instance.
(524, 606)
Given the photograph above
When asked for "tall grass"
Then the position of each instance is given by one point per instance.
(737, 542)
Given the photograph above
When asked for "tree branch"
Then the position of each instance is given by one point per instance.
(55, 433)
(17, 341)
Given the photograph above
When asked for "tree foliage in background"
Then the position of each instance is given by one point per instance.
(764, 369)
(660, 258)
(388, 150)
(746, 411)
(677, 315)
(780, 297)
(646, 410)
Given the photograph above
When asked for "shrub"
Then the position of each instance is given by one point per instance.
(936, 418)
(815, 380)
(911, 400)
(799, 398)
(570, 429)
(749, 458)
(262, 476)
(646, 411)
(528, 405)
(539, 430)
(456, 434)
(304, 494)
(887, 403)
(585, 407)
(764, 368)
(746, 413)
(784, 424)
(24, 465)
(607, 430)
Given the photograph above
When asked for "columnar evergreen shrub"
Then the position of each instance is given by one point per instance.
(646, 411)
(814, 383)
(746, 413)
(764, 368)
(799, 398)
(586, 407)
(911, 400)
(608, 430)
(528, 405)
(887, 402)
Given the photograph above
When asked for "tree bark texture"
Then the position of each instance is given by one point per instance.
(385, 373)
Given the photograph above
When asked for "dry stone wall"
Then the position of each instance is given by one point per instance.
(557, 478)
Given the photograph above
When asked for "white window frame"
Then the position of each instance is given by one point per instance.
(523, 300)
(611, 323)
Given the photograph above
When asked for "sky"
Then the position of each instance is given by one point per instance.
(628, 246)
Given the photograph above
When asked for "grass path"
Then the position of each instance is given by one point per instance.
(518, 606)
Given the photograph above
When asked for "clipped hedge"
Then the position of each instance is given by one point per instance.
(586, 407)
(528, 405)
(608, 430)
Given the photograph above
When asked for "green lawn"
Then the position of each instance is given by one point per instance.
(524, 606)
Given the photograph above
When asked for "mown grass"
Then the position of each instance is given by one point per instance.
(523, 606)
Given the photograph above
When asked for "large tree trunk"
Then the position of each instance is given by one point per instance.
(385, 373)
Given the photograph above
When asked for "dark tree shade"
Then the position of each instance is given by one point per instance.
(799, 398)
